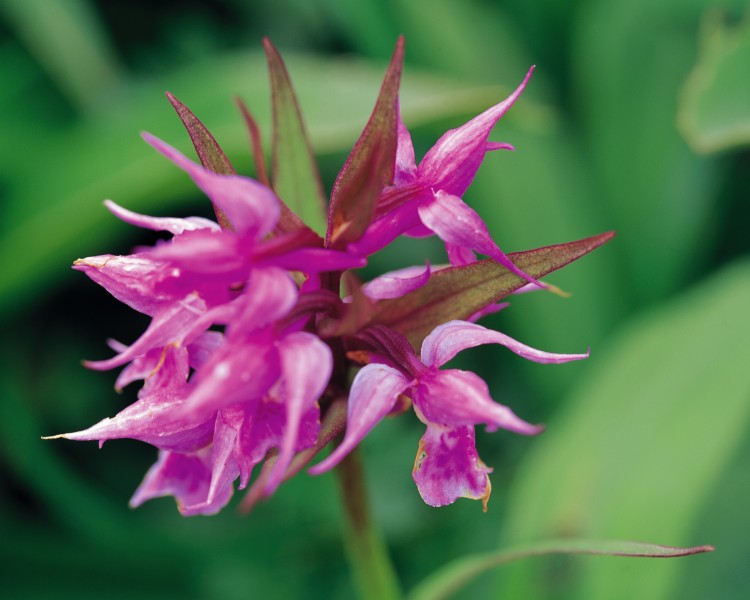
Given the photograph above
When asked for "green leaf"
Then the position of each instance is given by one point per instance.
(715, 103)
(370, 165)
(295, 175)
(459, 292)
(637, 449)
(452, 577)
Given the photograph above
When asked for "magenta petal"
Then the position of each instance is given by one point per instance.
(454, 397)
(448, 467)
(167, 326)
(460, 255)
(456, 223)
(397, 283)
(173, 225)
(139, 280)
(447, 340)
(306, 364)
(387, 228)
(205, 252)
(499, 146)
(488, 310)
(270, 295)
(406, 167)
(316, 260)
(451, 164)
(373, 394)
(187, 477)
(251, 207)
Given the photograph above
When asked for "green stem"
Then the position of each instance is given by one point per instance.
(368, 556)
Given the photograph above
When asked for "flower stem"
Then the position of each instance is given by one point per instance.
(368, 557)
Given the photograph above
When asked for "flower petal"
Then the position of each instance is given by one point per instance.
(456, 223)
(251, 207)
(448, 467)
(373, 394)
(173, 225)
(406, 167)
(453, 397)
(451, 164)
(449, 339)
(187, 477)
(169, 326)
(397, 283)
(306, 365)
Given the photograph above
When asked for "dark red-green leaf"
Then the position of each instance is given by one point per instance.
(459, 292)
(294, 172)
(212, 157)
(449, 579)
(370, 164)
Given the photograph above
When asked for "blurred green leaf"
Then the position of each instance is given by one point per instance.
(640, 444)
(715, 103)
(68, 40)
(630, 60)
(449, 579)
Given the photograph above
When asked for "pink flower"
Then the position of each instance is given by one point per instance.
(426, 199)
(450, 402)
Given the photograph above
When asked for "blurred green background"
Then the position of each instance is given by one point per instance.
(637, 119)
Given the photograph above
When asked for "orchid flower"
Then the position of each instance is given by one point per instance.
(449, 402)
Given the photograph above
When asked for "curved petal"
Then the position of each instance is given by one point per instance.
(406, 167)
(143, 283)
(453, 161)
(453, 397)
(167, 327)
(269, 295)
(173, 225)
(456, 223)
(374, 392)
(447, 340)
(397, 283)
(251, 207)
(384, 230)
(448, 467)
(316, 260)
(306, 365)
(187, 477)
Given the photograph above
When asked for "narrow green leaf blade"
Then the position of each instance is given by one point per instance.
(370, 164)
(459, 292)
(452, 577)
(294, 171)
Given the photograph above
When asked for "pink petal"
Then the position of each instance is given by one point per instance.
(251, 207)
(451, 164)
(453, 397)
(373, 394)
(456, 223)
(144, 283)
(448, 467)
(385, 229)
(187, 477)
(489, 310)
(406, 167)
(460, 255)
(447, 340)
(206, 252)
(397, 283)
(167, 327)
(173, 225)
(316, 260)
(269, 295)
(306, 365)
(499, 146)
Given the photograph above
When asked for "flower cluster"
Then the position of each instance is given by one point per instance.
(252, 342)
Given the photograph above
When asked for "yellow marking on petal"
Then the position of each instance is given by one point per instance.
(82, 261)
(486, 497)
(162, 358)
(557, 291)
(419, 458)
